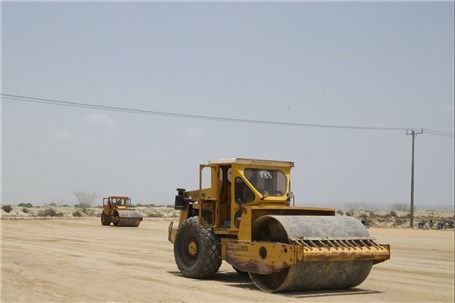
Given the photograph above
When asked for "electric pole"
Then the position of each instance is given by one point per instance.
(413, 133)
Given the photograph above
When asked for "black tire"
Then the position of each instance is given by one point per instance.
(116, 219)
(197, 251)
(105, 219)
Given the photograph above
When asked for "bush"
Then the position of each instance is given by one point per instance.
(155, 215)
(388, 216)
(393, 213)
(340, 212)
(7, 208)
(398, 221)
(348, 213)
(29, 205)
(25, 210)
(49, 212)
(77, 214)
(85, 208)
(88, 211)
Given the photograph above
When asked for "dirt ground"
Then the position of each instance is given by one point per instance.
(78, 260)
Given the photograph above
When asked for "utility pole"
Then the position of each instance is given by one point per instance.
(413, 133)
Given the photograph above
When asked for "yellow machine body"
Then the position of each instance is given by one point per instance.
(244, 216)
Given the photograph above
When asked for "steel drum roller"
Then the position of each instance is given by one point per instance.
(127, 218)
(311, 275)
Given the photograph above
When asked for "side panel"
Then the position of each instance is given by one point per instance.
(260, 257)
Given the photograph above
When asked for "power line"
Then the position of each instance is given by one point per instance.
(201, 117)
(188, 116)
(438, 133)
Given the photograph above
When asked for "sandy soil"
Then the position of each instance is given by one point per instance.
(78, 260)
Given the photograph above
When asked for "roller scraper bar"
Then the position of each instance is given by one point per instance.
(333, 249)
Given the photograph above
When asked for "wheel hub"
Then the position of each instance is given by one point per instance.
(192, 248)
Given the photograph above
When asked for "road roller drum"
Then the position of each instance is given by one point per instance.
(127, 218)
(312, 275)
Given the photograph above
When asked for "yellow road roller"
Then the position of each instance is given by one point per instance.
(244, 213)
(118, 211)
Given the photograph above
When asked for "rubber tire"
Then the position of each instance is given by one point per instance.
(208, 257)
(116, 219)
(105, 219)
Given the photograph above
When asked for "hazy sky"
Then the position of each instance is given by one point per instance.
(346, 63)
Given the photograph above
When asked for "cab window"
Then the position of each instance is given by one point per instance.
(243, 194)
(267, 181)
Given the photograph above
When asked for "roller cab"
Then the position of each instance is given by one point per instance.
(244, 214)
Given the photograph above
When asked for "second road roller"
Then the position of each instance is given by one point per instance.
(118, 211)
(244, 213)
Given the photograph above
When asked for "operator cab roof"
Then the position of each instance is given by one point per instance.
(252, 161)
(118, 197)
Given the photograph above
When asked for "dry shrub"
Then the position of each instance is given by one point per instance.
(398, 222)
(7, 208)
(29, 205)
(77, 214)
(88, 211)
(49, 212)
